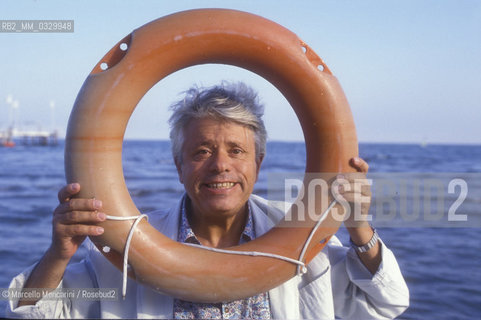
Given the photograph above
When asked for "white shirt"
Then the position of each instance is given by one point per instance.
(337, 284)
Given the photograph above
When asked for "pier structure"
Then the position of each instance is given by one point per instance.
(11, 136)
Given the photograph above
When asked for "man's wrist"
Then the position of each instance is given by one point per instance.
(366, 246)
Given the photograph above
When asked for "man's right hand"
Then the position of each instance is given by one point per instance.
(73, 220)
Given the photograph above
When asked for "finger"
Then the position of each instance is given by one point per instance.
(355, 186)
(66, 193)
(353, 197)
(79, 205)
(359, 164)
(76, 230)
(81, 217)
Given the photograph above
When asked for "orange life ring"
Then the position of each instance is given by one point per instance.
(93, 151)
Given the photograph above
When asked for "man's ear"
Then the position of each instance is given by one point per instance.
(258, 163)
(178, 165)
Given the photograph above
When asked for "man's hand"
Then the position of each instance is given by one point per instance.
(73, 220)
(355, 189)
(359, 197)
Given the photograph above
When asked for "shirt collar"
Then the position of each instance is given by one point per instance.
(186, 234)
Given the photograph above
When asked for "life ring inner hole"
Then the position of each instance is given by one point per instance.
(150, 116)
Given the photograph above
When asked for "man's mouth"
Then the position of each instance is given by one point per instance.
(221, 185)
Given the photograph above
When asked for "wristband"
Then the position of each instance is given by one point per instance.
(368, 245)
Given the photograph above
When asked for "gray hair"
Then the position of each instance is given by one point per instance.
(236, 103)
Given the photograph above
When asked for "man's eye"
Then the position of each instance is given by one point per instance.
(201, 154)
(202, 151)
(237, 151)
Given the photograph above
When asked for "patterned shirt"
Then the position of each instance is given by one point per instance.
(255, 307)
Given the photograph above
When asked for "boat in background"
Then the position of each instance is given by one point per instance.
(6, 138)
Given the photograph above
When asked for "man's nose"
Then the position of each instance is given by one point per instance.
(220, 161)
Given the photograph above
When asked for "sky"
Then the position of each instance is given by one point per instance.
(411, 70)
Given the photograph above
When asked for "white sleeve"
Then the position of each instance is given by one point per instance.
(76, 276)
(358, 294)
(43, 309)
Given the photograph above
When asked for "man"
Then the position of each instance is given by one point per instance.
(218, 143)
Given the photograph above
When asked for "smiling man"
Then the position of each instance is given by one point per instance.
(218, 167)
(218, 144)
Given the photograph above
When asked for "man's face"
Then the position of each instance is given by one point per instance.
(219, 167)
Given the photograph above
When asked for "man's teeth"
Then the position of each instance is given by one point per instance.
(222, 185)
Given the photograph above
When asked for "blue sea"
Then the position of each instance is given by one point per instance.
(441, 260)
